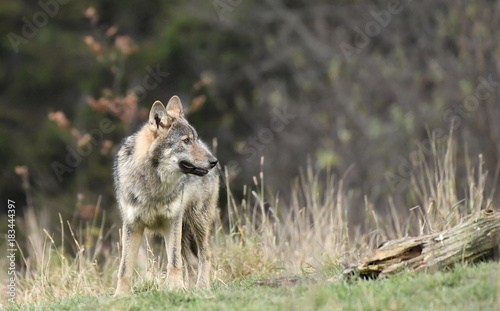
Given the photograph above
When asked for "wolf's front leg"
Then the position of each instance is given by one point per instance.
(173, 242)
(131, 240)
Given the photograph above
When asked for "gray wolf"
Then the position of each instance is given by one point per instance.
(166, 183)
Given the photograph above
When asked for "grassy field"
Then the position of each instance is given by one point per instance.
(75, 268)
(463, 288)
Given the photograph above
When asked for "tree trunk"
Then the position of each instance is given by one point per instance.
(477, 238)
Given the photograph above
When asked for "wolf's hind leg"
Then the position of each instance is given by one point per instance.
(201, 232)
(173, 238)
(189, 251)
(191, 267)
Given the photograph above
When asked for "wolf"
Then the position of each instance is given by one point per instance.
(167, 182)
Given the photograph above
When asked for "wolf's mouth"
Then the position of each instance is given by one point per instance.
(189, 168)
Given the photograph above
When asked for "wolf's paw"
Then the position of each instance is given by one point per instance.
(174, 280)
(123, 288)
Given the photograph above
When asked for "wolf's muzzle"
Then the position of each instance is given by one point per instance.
(189, 168)
(213, 161)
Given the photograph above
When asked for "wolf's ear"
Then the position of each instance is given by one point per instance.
(158, 118)
(174, 107)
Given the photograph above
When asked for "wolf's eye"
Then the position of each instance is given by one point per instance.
(187, 140)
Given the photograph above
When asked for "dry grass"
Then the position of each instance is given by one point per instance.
(263, 237)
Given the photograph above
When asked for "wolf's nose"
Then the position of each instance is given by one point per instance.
(213, 161)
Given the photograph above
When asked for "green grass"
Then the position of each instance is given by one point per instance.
(464, 288)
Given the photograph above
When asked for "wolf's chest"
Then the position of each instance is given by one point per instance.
(155, 216)
(154, 208)
(149, 199)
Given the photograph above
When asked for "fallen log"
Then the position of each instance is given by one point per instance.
(475, 239)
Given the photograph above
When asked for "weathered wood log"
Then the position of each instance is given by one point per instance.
(477, 238)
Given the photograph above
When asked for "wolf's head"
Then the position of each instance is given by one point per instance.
(175, 145)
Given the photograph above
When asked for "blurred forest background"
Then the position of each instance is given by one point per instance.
(356, 87)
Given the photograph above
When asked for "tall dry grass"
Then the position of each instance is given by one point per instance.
(263, 236)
